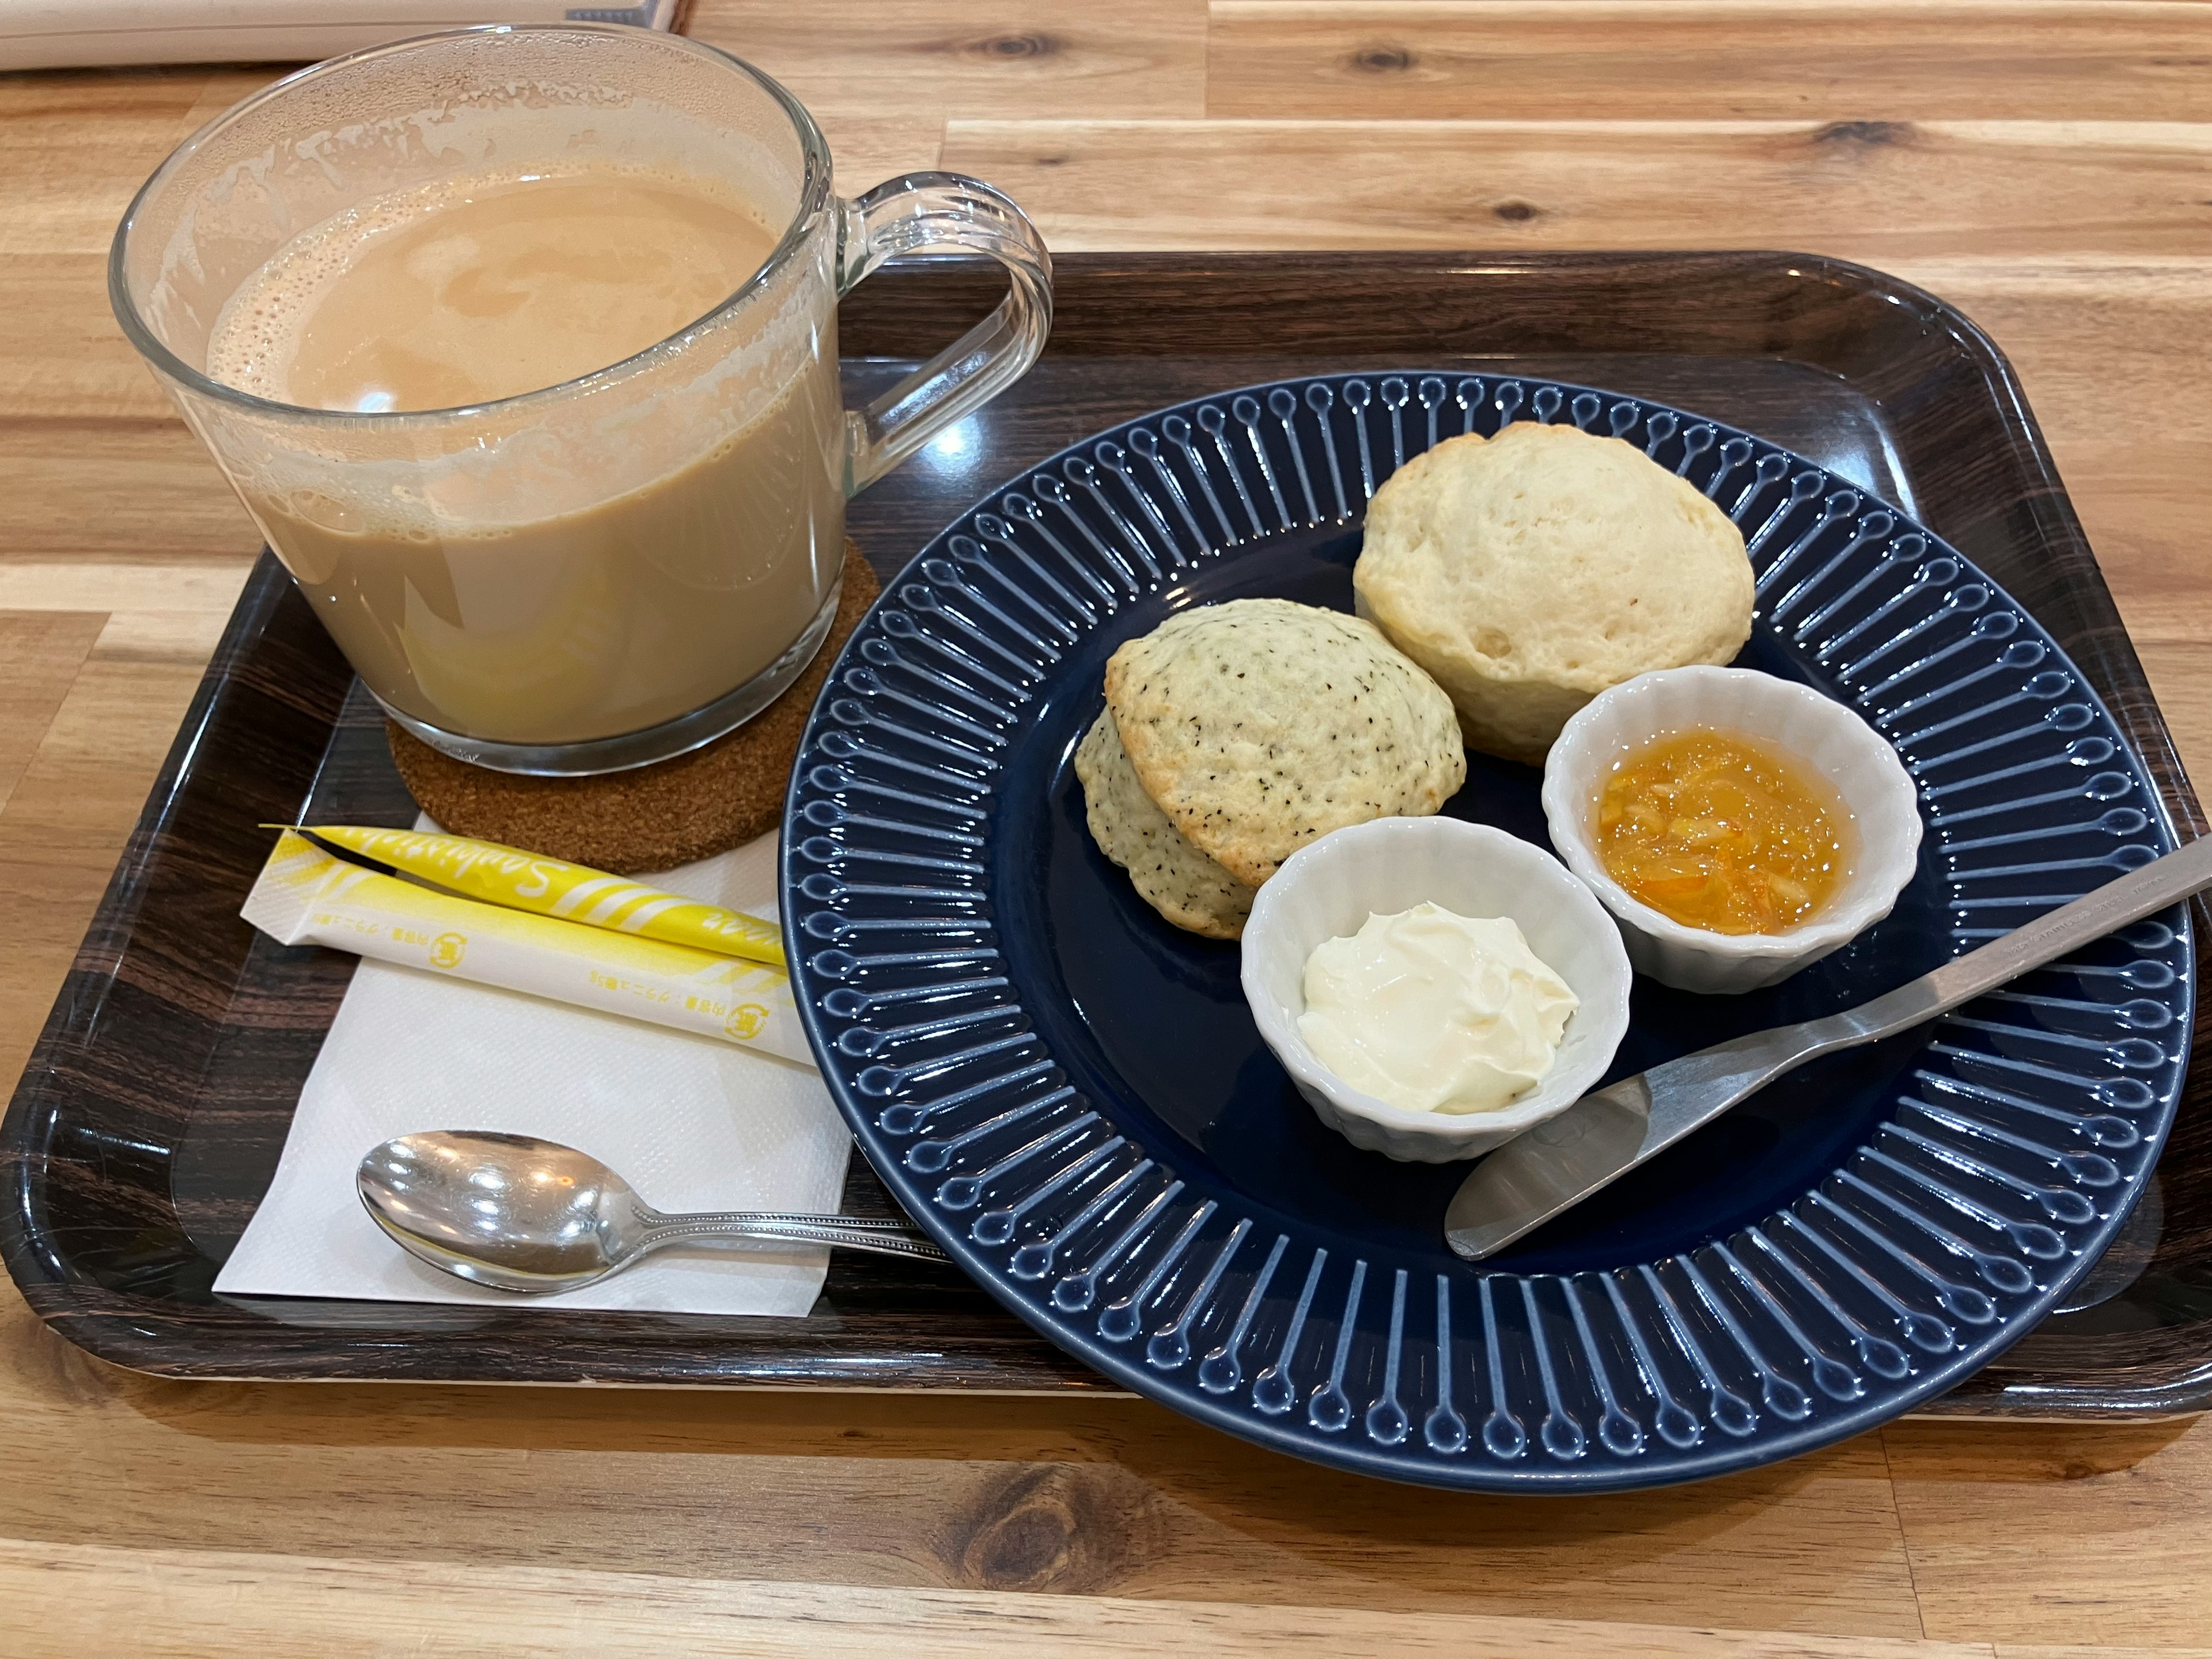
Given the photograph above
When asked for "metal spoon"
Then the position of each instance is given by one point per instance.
(523, 1214)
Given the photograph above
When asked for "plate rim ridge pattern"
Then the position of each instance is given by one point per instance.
(1772, 1340)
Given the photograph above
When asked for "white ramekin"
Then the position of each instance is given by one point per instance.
(1329, 888)
(1819, 732)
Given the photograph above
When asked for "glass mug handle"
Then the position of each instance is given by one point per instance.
(943, 210)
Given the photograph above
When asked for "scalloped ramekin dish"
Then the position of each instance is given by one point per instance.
(1819, 732)
(1329, 888)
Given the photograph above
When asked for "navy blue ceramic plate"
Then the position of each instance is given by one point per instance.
(1071, 1095)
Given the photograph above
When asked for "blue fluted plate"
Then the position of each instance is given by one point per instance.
(1071, 1095)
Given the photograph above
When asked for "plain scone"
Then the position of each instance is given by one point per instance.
(1528, 571)
(1259, 724)
(1178, 880)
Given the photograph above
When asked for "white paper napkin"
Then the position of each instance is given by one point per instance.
(691, 1123)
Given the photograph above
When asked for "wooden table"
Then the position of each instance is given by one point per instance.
(2047, 164)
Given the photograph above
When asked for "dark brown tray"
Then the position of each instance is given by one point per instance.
(148, 1122)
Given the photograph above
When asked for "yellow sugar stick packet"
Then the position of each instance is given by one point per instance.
(308, 895)
(574, 892)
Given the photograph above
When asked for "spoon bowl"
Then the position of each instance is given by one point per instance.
(519, 1214)
(505, 1210)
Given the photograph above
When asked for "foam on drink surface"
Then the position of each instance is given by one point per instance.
(483, 286)
(592, 564)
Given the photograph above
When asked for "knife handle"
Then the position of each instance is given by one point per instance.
(1605, 1135)
(2162, 882)
(1686, 1092)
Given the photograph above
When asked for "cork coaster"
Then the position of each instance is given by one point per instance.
(652, 818)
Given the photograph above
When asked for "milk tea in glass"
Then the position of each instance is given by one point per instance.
(520, 344)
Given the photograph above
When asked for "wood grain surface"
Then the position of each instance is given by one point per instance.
(2047, 166)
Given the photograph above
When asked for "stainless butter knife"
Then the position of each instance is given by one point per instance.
(1602, 1136)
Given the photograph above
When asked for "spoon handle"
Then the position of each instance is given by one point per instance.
(862, 1223)
(883, 1236)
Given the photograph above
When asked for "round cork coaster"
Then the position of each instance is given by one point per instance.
(651, 817)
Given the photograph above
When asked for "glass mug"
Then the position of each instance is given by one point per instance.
(621, 568)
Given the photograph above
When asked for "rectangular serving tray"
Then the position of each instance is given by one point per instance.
(148, 1122)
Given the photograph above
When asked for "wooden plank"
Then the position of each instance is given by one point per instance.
(1821, 60)
(1089, 1498)
(1873, 190)
(2046, 1533)
(144, 489)
(1001, 57)
(206, 585)
(40, 653)
(867, 151)
(174, 1604)
(75, 364)
(75, 146)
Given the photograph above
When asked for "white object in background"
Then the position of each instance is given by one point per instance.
(96, 34)
(694, 1124)
(1328, 888)
(1816, 731)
